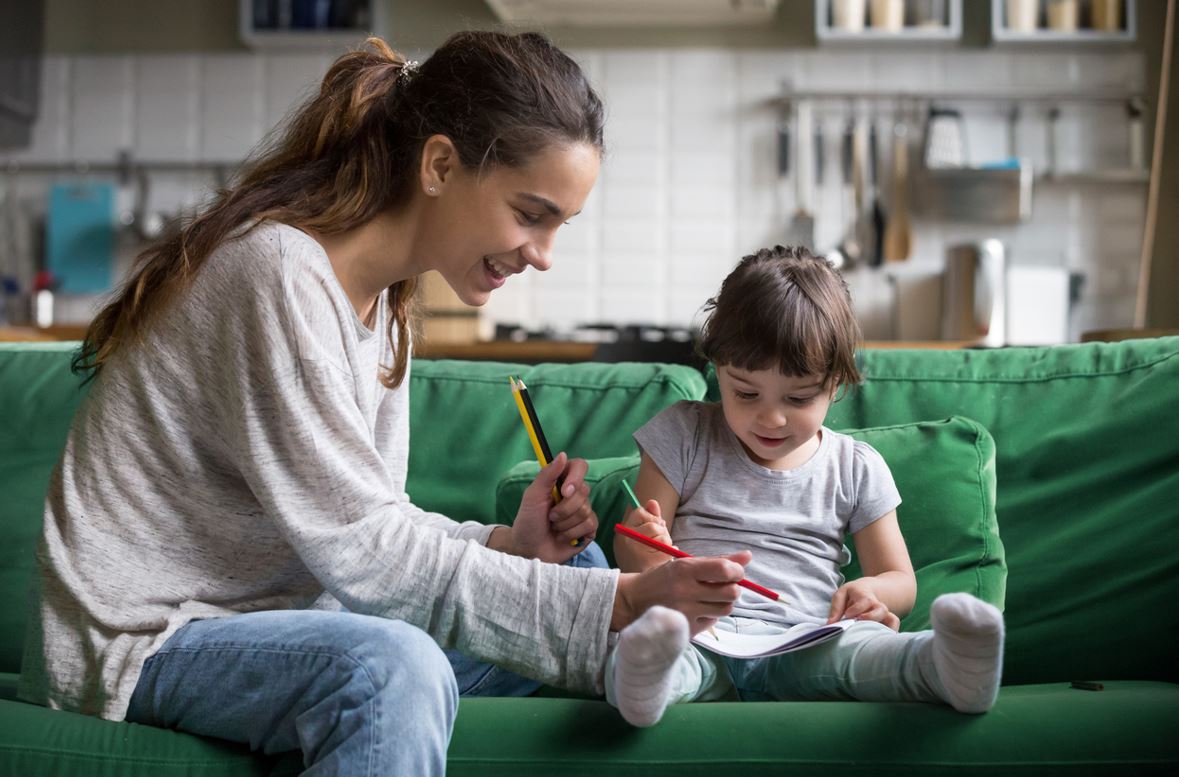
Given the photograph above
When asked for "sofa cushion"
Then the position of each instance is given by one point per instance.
(1033, 730)
(1036, 729)
(40, 742)
(1087, 462)
(945, 471)
(466, 431)
(39, 396)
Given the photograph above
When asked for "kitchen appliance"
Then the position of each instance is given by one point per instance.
(974, 291)
(1038, 302)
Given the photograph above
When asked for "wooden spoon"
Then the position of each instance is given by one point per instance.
(898, 233)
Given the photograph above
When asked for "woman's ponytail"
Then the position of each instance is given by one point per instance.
(352, 151)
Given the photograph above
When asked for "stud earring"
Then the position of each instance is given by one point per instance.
(432, 190)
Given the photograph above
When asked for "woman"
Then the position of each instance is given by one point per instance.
(237, 471)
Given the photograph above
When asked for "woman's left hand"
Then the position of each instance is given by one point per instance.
(546, 531)
(857, 600)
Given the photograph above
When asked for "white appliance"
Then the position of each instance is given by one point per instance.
(1037, 305)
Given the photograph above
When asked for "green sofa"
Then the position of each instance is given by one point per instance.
(1072, 452)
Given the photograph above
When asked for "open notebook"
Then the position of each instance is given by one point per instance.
(803, 635)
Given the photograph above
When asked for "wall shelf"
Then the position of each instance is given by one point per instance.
(946, 29)
(1083, 35)
(308, 24)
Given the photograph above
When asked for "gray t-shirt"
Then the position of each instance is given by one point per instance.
(794, 521)
(247, 458)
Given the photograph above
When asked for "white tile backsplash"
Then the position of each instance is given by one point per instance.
(51, 132)
(167, 107)
(290, 80)
(690, 179)
(102, 107)
(233, 98)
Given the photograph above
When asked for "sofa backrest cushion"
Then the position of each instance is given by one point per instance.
(465, 430)
(38, 396)
(1087, 442)
(945, 471)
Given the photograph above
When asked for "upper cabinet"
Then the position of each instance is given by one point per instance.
(905, 21)
(308, 24)
(20, 72)
(1064, 21)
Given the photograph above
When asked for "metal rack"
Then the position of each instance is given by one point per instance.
(916, 104)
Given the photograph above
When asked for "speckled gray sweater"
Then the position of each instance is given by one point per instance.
(248, 458)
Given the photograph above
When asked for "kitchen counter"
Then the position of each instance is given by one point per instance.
(523, 352)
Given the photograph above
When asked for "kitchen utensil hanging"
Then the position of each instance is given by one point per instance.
(898, 234)
(801, 230)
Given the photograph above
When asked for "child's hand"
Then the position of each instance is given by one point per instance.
(857, 600)
(633, 556)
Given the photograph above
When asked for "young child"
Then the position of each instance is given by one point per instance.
(758, 471)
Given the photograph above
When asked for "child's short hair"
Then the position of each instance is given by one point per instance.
(784, 308)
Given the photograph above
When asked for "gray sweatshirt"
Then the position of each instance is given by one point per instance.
(247, 458)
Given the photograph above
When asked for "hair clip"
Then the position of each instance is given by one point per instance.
(408, 69)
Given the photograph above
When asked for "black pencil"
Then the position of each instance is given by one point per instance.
(540, 438)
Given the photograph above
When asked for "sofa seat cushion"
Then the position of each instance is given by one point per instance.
(37, 742)
(945, 471)
(1035, 729)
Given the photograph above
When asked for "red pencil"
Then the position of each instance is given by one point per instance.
(669, 550)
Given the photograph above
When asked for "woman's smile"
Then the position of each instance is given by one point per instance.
(497, 273)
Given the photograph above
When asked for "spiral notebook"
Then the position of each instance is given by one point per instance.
(804, 635)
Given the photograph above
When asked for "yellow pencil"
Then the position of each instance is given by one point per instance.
(535, 435)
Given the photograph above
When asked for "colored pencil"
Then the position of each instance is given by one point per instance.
(540, 445)
(669, 550)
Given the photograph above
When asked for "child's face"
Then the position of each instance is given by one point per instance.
(776, 417)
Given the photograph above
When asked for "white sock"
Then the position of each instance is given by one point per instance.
(967, 650)
(646, 653)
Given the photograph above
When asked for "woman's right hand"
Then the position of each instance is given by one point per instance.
(703, 589)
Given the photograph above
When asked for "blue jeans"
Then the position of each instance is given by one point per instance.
(476, 678)
(357, 694)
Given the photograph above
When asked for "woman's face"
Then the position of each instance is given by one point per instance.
(492, 227)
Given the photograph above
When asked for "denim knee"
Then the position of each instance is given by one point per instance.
(402, 664)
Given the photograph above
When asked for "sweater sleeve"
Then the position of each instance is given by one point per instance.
(296, 433)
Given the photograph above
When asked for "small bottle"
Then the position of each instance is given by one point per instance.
(44, 283)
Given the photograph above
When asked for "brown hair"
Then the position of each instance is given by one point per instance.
(784, 308)
(352, 151)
